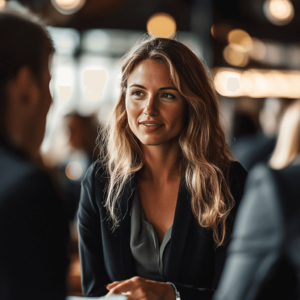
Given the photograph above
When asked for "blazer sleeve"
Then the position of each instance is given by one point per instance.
(256, 236)
(94, 277)
(34, 235)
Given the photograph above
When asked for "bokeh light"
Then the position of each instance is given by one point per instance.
(220, 31)
(279, 12)
(68, 7)
(257, 83)
(74, 170)
(2, 4)
(259, 50)
(223, 79)
(235, 57)
(161, 25)
(240, 40)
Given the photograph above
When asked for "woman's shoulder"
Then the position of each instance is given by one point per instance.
(237, 172)
(237, 180)
(97, 172)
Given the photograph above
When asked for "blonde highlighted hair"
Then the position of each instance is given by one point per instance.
(288, 142)
(205, 156)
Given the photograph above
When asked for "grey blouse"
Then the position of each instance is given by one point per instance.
(149, 257)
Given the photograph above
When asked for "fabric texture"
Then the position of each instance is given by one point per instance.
(253, 149)
(149, 256)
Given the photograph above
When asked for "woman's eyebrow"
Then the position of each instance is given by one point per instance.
(169, 88)
(163, 88)
(138, 85)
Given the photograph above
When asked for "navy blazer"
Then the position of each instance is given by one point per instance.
(194, 265)
(264, 255)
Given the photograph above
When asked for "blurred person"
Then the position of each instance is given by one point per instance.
(287, 150)
(156, 212)
(257, 147)
(33, 226)
(83, 135)
(264, 255)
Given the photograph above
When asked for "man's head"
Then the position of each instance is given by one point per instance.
(24, 79)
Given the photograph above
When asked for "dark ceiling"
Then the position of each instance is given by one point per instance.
(131, 14)
(248, 15)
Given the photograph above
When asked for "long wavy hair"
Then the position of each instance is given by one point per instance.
(288, 142)
(205, 156)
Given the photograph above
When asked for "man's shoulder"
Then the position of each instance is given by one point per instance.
(20, 179)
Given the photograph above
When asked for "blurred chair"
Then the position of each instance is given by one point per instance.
(251, 148)
(287, 150)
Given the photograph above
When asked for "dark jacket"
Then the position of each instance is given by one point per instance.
(253, 149)
(264, 255)
(194, 264)
(33, 231)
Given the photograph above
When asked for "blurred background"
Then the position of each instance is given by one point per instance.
(251, 48)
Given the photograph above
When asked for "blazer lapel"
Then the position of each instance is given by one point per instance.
(180, 231)
(125, 226)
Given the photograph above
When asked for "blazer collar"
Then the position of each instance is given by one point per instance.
(180, 231)
(127, 260)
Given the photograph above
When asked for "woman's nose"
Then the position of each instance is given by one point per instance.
(151, 106)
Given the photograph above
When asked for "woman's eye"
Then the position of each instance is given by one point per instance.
(168, 96)
(137, 93)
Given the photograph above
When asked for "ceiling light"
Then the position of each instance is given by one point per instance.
(279, 12)
(68, 7)
(161, 25)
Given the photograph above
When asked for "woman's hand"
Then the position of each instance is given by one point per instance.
(140, 288)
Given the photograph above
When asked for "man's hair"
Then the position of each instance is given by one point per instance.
(24, 42)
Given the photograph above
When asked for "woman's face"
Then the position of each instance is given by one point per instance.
(155, 109)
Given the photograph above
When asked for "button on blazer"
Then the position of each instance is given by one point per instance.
(194, 264)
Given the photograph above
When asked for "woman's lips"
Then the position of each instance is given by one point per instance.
(151, 127)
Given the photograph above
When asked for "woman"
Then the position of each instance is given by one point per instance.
(287, 150)
(159, 206)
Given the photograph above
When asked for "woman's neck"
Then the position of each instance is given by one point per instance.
(161, 163)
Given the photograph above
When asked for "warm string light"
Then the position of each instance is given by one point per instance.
(239, 44)
(257, 83)
(258, 51)
(235, 57)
